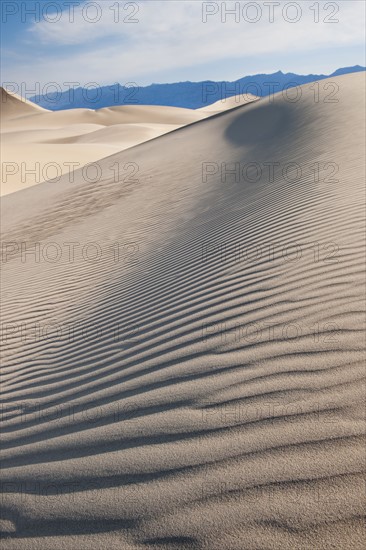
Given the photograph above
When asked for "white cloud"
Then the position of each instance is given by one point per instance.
(171, 35)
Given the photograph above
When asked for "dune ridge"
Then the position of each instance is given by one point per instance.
(200, 388)
(14, 106)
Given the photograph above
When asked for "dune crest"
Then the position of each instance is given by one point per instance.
(12, 106)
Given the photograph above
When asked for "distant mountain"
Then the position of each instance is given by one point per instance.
(346, 70)
(192, 95)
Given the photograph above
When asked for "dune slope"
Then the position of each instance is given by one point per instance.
(12, 106)
(182, 348)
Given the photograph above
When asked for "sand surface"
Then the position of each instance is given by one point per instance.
(183, 352)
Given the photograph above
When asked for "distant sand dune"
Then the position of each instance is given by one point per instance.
(202, 383)
(46, 136)
(77, 136)
(13, 106)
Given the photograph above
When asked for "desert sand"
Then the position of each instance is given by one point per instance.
(57, 142)
(191, 376)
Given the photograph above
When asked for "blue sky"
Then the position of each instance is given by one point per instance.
(147, 41)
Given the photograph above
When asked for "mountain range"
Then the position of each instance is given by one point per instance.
(191, 95)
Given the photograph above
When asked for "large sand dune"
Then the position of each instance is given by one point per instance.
(200, 385)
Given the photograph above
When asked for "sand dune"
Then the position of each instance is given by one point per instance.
(54, 143)
(60, 138)
(192, 376)
(13, 106)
